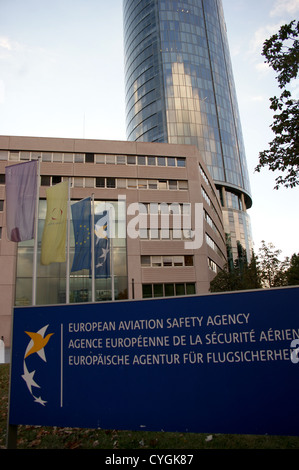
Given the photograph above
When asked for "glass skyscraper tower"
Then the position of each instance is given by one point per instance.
(180, 89)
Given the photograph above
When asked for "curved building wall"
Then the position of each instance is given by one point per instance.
(145, 109)
(180, 89)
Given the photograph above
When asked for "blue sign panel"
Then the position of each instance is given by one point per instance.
(220, 363)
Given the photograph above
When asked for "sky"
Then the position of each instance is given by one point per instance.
(62, 75)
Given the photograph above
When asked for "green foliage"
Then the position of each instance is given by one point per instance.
(264, 271)
(241, 276)
(292, 274)
(282, 54)
(272, 269)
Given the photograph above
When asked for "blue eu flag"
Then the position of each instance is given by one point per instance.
(102, 245)
(81, 215)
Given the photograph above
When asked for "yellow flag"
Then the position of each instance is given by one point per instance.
(54, 234)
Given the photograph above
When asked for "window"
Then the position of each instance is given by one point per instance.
(213, 245)
(121, 159)
(145, 261)
(131, 160)
(78, 182)
(166, 261)
(205, 196)
(173, 184)
(110, 182)
(185, 208)
(188, 260)
(178, 261)
(161, 161)
(183, 184)
(57, 157)
(168, 289)
(14, 156)
(132, 183)
(212, 265)
(89, 158)
(24, 155)
(156, 261)
(68, 158)
(158, 290)
(154, 208)
(1, 205)
(56, 180)
(46, 157)
(110, 159)
(45, 180)
(142, 184)
(100, 182)
(89, 182)
(79, 158)
(154, 233)
(147, 291)
(121, 183)
(2, 178)
(100, 159)
(151, 160)
(165, 234)
(190, 288)
(3, 155)
(203, 174)
(51, 286)
(162, 184)
(181, 162)
(143, 233)
(141, 160)
(152, 184)
(180, 289)
(233, 200)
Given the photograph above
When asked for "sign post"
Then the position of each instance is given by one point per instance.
(218, 363)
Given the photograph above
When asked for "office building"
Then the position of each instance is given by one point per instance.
(180, 89)
(169, 237)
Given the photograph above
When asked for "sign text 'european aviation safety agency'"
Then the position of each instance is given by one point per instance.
(221, 363)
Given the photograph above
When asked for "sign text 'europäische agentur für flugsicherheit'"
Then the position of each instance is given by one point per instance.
(116, 349)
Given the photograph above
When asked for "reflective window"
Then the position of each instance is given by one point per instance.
(168, 289)
(189, 57)
(51, 279)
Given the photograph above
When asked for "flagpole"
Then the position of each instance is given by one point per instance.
(67, 294)
(34, 274)
(112, 271)
(111, 260)
(92, 253)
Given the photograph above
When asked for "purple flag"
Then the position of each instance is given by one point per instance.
(21, 192)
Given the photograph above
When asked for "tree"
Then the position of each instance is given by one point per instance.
(282, 54)
(225, 281)
(263, 271)
(252, 274)
(272, 269)
(242, 276)
(292, 273)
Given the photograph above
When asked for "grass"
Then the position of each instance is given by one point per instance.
(39, 437)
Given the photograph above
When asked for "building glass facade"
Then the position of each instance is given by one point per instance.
(180, 89)
(51, 279)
